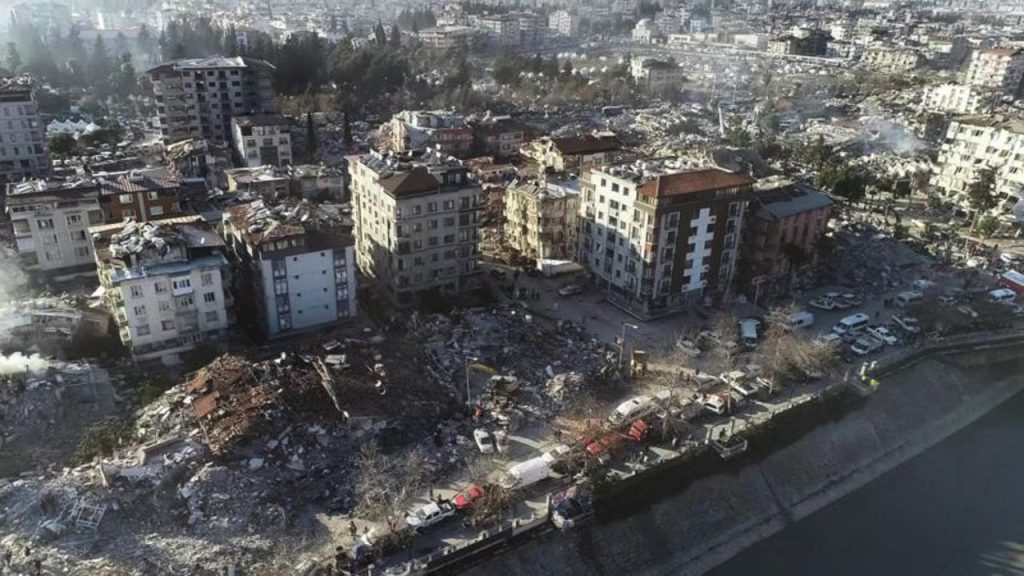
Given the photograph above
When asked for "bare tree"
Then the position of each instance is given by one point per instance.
(491, 507)
(723, 341)
(790, 356)
(387, 485)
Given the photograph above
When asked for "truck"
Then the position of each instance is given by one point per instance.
(1012, 280)
(551, 268)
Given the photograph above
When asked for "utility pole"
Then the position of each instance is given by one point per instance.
(622, 340)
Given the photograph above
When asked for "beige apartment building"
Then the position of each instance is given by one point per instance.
(417, 224)
(540, 219)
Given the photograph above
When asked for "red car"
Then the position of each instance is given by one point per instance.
(605, 444)
(468, 497)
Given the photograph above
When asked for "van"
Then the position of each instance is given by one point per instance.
(851, 324)
(527, 473)
(748, 332)
(1002, 295)
(908, 297)
(800, 320)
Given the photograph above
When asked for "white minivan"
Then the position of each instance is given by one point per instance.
(851, 324)
(800, 320)
(908, 297)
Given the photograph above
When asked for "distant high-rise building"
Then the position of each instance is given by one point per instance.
(23, 152)
(197, 98)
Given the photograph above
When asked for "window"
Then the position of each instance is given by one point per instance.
(210, 297)
(44, 223)
(142, 330)
(152, 194)
(156, 211)
(78, 236)
(136, 291)
(165, 305)
(74, 219)
(181, 284)
(160, 287)
(186, 302)
(139, 310)
(125, 198)
(167, 325)
(212, 317)
(81, 251)
(207, 279)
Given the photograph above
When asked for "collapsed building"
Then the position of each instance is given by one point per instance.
(165, 284)
(296, 266)
(540, 218)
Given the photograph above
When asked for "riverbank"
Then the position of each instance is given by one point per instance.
(715, 518)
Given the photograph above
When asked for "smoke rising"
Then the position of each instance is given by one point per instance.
(18, 363)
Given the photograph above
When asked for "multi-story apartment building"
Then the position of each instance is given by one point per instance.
(447, 37)
(51, 222)
(296, 267)
(658, 236)
(975, 143)
(955, 99)
(502, 29)
(892, 58)
(573, 152)
(196, 98)
(165, 283)
(540, 219)
(784, 230)
(564, 23)
(500, 137)
(143, 195)
(23, 151)
(417, 130)
(262, 139)
(997, 69)
(656, 76)
(417, 225)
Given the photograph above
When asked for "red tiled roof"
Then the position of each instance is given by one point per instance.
(693, 181)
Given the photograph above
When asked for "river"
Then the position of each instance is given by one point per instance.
(956, 509)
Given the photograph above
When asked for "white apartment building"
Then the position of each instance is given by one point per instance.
(564, 23)
(416, 224)
(23, 150)
(50, 221)
(262, 139)
(977, 142)
(997, 69)
(955, 99)
(165, 284)
(297, 268)
(645, 32)
(659, 236)
(197, 97)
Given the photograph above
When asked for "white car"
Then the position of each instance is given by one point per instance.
(830, 339)
(865, 345)
(822, 304)
(908, 323)
(635, 407)
(429, 514)
(882, 333)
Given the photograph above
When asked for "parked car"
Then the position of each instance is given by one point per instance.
(822, 304)
(865, 345)
(570, 290)
(907, 323)
(429, 514)
(484, 441)
(851, 299)
(830, 339)
(468, 497)
(882, 333)
(749, 331)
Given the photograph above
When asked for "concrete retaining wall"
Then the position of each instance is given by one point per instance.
(714, 518)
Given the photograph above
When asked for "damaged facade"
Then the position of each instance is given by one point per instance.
(417, 224)
(165, 284)
(296, 266)
(573, 152)
(540, 219)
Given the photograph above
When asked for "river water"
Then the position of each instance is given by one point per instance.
(957, 509)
